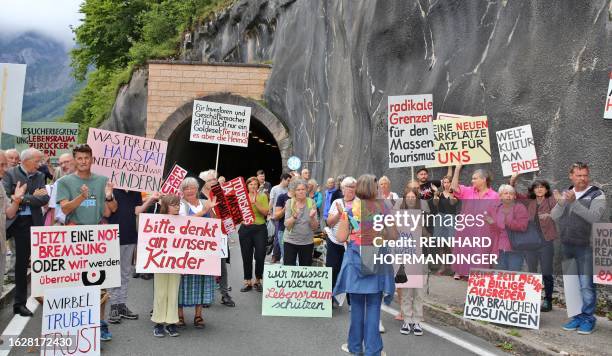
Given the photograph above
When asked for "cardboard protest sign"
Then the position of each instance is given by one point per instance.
(178, 244)
(173, 182)
(408, 243)
(510, 298)
(297, 291)
(602, 253)
(223, 209)
(449, 116)
(517, 150)
(74, 256)
(12, 82)
(608, 107)
(236, 195)
(222, 124)
(51, 138)
(410, 130)
(463, 140)
(71, 321)
(130, 162)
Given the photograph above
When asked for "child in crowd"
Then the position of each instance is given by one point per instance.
(166, 285)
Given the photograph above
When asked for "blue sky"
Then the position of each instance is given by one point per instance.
(51, 17)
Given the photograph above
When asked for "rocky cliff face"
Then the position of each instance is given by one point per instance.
(335, 62)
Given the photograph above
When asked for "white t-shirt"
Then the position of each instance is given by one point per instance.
(333, 210)
(392, 195)
(194, 208)
(580, 194)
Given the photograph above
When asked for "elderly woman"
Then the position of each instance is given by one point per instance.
(300, 221)
(335, 249)
(384, 189)
(314, 193)
(365, 289)
(477, 199)
(253, 237)
(195, 290)
(507, 216)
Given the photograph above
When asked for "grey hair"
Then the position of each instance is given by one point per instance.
(29, 153)
(206, 175)
(189, 181)
(506, 188)
(486, 175)
(384, 179)
(297, 182)
(348, 180)
(313, 182)
(11, 150)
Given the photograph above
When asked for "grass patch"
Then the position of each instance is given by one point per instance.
(506, 346)
(514, 333)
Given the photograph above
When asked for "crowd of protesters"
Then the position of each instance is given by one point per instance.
(287, 217)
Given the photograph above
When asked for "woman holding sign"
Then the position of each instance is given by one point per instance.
(253, 237)
(195, 290)
(366, 284)
(476, 200)
(166, 285)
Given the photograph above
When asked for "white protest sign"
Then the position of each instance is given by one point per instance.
(602, 253)
(218, 123)
(608, 107)
(410, 132)
(74, 256)
(12, 82)
(71, 322)
(517, 150)
(503, 297)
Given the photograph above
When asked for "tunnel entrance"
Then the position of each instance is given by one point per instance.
(268, 148)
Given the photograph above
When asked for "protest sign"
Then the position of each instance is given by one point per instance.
(517, 150)
(222, 124)
(297, 291)
(602, 253)
(449, 116)
(51, 138)
(130, 162)
(410, 130)
(12, 82)
(408, 243)
(71, 321)
(236, 195)
(178, 244)
(173, 182)
(463, 140)
(510, 298)
(74, 256)
(222, 209)
(608, 108)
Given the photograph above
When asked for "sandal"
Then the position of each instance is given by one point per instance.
(258, 287)
(246, 288)
(181, 322)
(227, 301)
(198, 322)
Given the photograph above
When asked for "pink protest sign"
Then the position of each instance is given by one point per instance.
(130, 162)
(179, 244)
(173, 182)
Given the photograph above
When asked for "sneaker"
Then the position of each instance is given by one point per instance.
(227, 301)
(171, 330)
(158, 330)
(381, 327)
(114, 316)
(105, 335)
(126, 313)
(417, 330)
(586, 327)
(345, 348)
(572, 324)
(546, 306)
(405, 329)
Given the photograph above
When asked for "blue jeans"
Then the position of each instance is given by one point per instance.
(584, 264)
(365, 316)
(510, 261)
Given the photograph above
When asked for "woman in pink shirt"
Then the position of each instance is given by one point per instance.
(508, 215)
(476, 200)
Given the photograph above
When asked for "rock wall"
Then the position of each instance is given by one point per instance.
(335, 62)
(129, 113)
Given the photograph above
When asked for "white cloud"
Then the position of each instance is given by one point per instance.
(50, 17)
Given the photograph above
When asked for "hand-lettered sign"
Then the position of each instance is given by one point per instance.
(237, 197)
(517, 150)
(173, 182)
(222, 124)
(51, 138)
(462, 140)
(608, 107)
(602, 253)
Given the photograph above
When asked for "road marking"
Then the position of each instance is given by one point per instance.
(447, 336)
(16, 326)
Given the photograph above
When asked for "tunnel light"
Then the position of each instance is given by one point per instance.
(254, 137)
(262, 141)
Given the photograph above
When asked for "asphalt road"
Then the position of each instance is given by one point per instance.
(244, 331)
